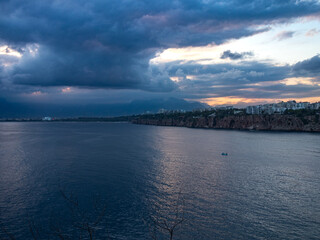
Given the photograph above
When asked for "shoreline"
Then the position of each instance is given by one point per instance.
(283, 123)
(233, 129)
(255, 123)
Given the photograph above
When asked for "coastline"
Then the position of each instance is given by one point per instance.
(280, 123)
(283, 123)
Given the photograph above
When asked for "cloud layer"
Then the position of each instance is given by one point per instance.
(108, 44)
(309, 67)
(284, 35)
(234, 55)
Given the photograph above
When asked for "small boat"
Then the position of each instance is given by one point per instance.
(224, 154)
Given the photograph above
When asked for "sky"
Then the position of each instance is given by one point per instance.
(66, 53)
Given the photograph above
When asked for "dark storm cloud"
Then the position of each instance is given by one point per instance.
(309, 67)
(235, 55)
(228, 73)
(7, 59)
(109, 44)
(249, 79)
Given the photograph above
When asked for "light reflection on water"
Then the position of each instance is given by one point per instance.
(266, 188)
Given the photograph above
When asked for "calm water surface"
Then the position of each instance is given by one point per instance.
(268, 187)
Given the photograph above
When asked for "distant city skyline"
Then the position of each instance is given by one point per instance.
(67, 55)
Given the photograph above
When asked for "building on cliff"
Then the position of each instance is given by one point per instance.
(281, 107)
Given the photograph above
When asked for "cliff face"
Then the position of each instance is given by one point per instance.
(244, 122)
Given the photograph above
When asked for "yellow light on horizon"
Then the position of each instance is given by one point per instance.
(300, 80)
(233, 100)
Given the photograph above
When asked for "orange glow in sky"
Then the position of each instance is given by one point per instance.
(236, 101)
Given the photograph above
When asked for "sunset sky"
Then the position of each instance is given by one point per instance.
(67, 52)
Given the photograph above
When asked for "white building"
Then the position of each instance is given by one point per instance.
(47, 119)
(280, 107)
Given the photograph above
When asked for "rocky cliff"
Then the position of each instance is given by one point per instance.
(243, 122)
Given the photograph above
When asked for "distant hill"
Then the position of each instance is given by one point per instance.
(22, 110)
(154, 105)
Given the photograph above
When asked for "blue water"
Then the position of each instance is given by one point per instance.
(268, 187)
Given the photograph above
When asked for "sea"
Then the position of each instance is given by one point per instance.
(127, 181)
